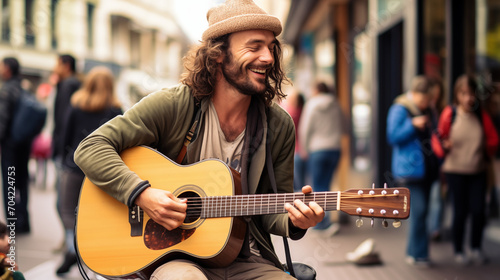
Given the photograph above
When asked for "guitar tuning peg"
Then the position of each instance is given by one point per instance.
(359, 222)
(372, 222)
(396, 223)
(384, 223)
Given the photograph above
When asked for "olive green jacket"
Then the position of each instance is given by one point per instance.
(161, 121)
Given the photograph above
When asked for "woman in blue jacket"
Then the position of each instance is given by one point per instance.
(413, 163)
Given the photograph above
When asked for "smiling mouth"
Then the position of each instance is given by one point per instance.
(258, 71)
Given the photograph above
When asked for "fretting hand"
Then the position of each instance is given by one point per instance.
(305, 216)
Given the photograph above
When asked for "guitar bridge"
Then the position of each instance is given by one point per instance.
(135, 218)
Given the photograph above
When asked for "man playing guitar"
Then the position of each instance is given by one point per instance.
(232, 77)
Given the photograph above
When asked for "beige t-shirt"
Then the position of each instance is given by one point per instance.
(216, 146)
(466, 155)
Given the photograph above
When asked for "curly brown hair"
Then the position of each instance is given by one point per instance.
(201, 69)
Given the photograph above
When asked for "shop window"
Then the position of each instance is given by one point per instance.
(435, 39)
(488, 39)
(29, 27)
(361, 110)
(5, 21)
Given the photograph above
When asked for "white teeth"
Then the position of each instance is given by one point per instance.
(261, 71)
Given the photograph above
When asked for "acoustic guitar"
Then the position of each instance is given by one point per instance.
(122, 243)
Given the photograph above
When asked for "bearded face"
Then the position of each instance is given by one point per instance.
(247, 79)
(248, 61)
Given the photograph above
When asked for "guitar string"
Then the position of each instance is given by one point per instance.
(233, 200)
(236, 200)
(223, 203)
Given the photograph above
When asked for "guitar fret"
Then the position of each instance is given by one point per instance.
(237, 209)
(276, 204)
(261, 203)
(325, 203)
(268, 204)
(254, 200)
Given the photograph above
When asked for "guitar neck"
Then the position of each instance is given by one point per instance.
(258, 204)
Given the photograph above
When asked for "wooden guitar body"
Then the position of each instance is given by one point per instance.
(103, 230)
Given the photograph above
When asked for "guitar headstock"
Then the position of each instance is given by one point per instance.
(386, 203)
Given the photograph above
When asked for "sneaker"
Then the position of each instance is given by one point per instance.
(461, 259)
(420, 262)
(477, 257)
(363, 249)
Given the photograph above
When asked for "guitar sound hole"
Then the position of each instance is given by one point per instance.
(194, 206)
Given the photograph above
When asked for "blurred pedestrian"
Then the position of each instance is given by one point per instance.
(492, 106)
(67, 84)
(320, 131)
(438, 187)
(91, 106)
(468, 139)
(413, 166)
(295, 104)
(15, 155)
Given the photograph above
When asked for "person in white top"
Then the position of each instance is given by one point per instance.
(320, 131)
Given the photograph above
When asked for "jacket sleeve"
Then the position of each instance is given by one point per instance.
(491, 135)
(283, 132)
(98, 154)
(399, 126)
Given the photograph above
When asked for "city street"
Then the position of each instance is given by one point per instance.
(36, 258)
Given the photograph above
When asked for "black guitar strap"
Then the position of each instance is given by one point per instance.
(270, 171)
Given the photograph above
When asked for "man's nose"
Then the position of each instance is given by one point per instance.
(266, 56)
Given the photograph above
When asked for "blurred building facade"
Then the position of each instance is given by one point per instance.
(371, 49)
(138, 39)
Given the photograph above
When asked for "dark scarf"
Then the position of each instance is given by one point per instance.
(254, 134)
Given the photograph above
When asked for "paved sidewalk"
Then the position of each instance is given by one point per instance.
(326, 254)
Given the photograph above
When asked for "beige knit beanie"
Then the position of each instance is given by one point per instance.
(239, 15)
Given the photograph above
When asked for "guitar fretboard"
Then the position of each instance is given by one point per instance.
(258, 204)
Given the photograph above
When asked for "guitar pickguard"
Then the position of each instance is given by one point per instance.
(156, 237)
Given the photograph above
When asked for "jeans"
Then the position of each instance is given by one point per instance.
(468, 193)
(418, 240)
(435, 218)
(299, 173)
(321, 166)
